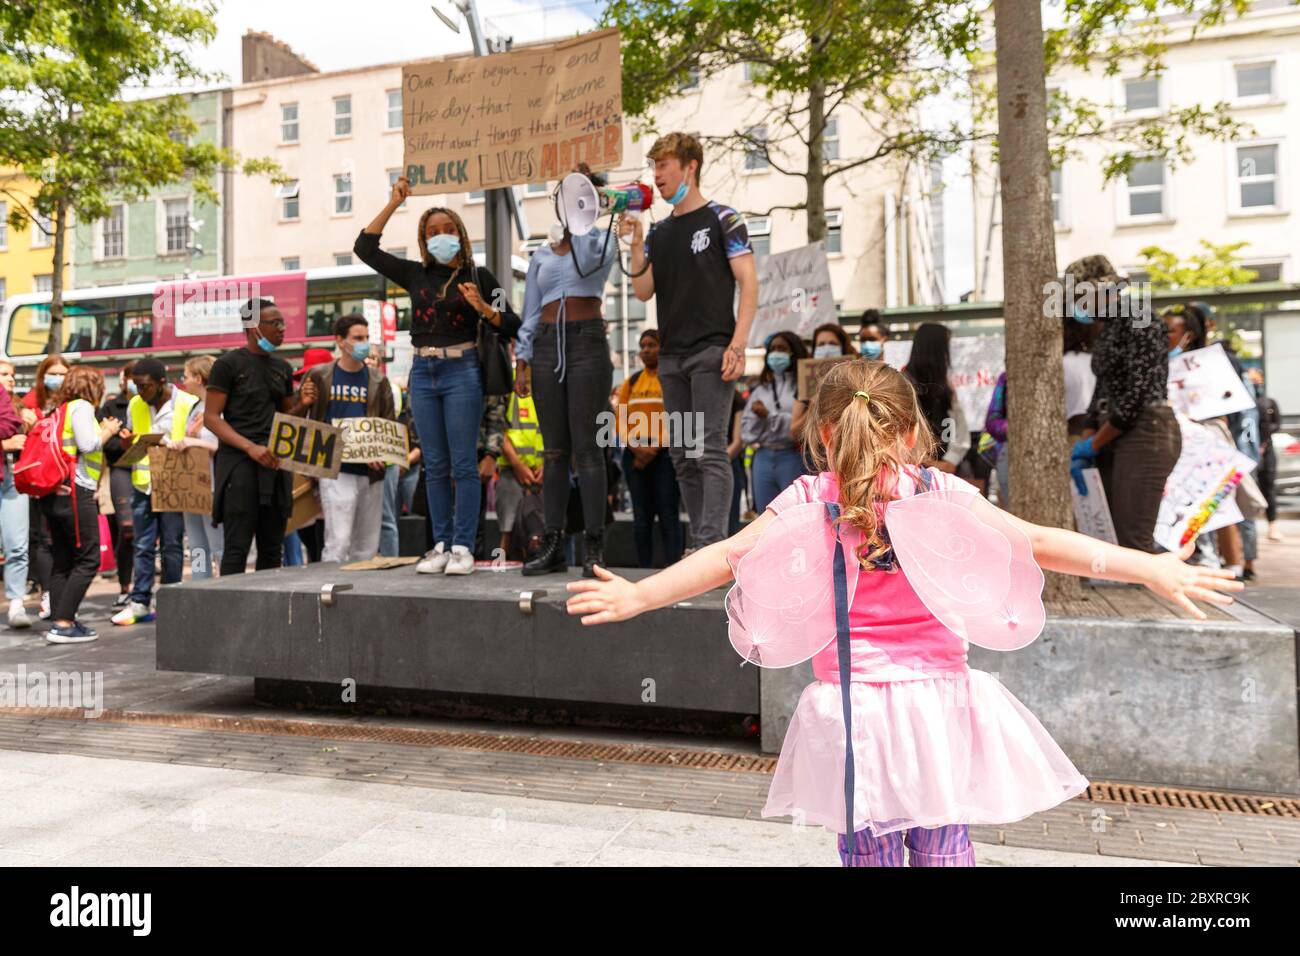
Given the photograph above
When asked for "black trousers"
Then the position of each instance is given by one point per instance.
(247, 518)
(1133, 471)
(74, 565)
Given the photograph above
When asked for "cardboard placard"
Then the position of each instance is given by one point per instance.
(368, 440)
(1203, 384)
(138, 448)
(794, 293)
(811, 371)
(487, 122)
(306, 447)
(306, 506)
(977, 361)
(1204, 465)
(181, 480)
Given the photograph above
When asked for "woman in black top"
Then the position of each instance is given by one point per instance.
(450, 295)
(1131, 432)
(928, 368)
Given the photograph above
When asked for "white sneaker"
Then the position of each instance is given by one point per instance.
(133, 613)
(461, 561)
(18, 614)
(435, 561)
(44, 614)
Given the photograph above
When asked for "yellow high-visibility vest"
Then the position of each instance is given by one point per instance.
(141, 417)
(94, 460)
(523, 432)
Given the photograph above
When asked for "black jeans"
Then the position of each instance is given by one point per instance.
(75, 565)
(1133, 471)
(246, 518)
(653, 491)
(567, 412)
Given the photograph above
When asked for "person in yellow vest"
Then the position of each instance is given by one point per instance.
(158, 408)
(519, 466)
(72, 512)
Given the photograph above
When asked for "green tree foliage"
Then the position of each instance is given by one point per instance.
(1215, 266)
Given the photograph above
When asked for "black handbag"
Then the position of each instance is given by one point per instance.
(493, 353)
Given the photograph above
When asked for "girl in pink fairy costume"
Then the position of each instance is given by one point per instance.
(936, 746)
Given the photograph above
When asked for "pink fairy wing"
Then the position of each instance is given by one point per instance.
(970, 566)
(781, 610)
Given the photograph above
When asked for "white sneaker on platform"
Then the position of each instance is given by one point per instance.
(44, 614)
(461, 561)
(18, 614)
(435, 561)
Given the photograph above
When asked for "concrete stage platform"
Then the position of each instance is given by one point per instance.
(1130, 691)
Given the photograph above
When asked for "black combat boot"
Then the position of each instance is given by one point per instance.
(595, 541)
(550, 556)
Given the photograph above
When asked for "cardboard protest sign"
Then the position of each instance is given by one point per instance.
(810, 373)
(306, 506)
(794, 293)
(1203, 384)
(306, 447)
(373, 439)
(977, 361)
(181, 480)
(1092, 511)
(1200, 493)
(485, 122)
(138, 448)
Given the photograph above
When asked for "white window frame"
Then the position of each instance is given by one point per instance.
(40, 238)
(835, 223)
(691, 83)
(343, 255)
(754, 72)
(342, 116)
(1279, 261)
(4, 226)
(544, 190)
(47, 279)
(1235, 208)
(1062, 221)
(471, 199)
(3, 290)
(1121, 95)
(392, 180)
(97, 235)
(1246, 102)
(295, 122)
(761, 157)
(296, 264)
(286, 192)
(339, 178)
(160, 225)
(1166, 214)
(388, 119)
(832, 122)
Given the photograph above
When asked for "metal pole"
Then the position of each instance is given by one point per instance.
(623, 312)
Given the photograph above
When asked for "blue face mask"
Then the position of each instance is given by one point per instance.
(360, 350)
(443, 247)
(1082, 316)
(778, 361)
(826, 351)
(130, 387)
(265, 344)
(53, 382)
(872, 349)
(1176, 351)
(678, 196)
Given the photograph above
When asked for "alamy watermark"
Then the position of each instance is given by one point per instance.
(1114, 300)
(74, 689)
(684, 429)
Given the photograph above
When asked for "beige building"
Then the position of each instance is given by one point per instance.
(1230, 192)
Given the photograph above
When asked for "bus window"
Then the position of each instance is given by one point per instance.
(29, 330)
(327, 299)
(136, 328)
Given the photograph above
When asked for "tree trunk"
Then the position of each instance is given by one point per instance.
(56, 279)
(816, 175)
(1039, 475)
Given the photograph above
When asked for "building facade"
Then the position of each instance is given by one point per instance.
(27, 255)
(1241, 191)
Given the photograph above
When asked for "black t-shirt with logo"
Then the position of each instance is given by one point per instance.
(254, 387)
(695, 291)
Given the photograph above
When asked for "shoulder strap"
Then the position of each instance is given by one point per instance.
(845, 666)
(635, 375)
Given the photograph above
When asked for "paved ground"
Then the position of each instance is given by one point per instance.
(119, 793)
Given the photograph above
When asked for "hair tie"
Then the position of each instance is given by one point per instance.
(864, 396)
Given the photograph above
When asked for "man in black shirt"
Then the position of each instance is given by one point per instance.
(250, 495)
(692, 263)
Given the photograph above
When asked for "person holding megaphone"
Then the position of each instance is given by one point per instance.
(562, 355)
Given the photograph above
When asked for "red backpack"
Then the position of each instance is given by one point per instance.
(44, 467)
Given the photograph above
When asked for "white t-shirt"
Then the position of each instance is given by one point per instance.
(1079, 382)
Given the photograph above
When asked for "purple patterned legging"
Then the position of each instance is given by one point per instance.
(941, 846)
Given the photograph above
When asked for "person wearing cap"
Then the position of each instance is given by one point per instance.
(1130, 434)
(157, 408)
(349, 387)
(251, 496)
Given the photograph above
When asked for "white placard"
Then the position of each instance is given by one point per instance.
(1092, 511)
(1203, 384)
(373, 311)
(977, 361)
(1205, 463)
(794, 293)
(202, 315)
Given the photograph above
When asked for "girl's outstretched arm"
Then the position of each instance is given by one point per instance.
(1069, 552)
(611, 598)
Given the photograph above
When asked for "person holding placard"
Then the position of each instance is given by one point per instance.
(766, 422)
(349, 387)
(119, 486)
(450, 296)
(158, 408)
(692, 263)
(205, 538)
(251, 497)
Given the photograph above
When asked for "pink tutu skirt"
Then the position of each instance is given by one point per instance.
(941, 750)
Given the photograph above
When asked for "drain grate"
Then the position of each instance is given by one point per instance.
(684, 758)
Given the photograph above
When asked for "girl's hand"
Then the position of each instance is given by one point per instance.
(605, 600)
(1171, 578)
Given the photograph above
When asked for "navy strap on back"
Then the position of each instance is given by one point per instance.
(845, 664)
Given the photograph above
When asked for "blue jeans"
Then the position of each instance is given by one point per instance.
(150, 527)
(447, 405)
(14, 516)
(399, 490)
(206, 542)
(774, 470)
(653, 491)
(293, 556)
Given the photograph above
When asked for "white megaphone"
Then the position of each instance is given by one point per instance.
(579, 203)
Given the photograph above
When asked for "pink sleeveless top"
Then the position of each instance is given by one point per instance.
(894, 637)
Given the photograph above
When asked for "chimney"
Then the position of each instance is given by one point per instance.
(266, 58)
